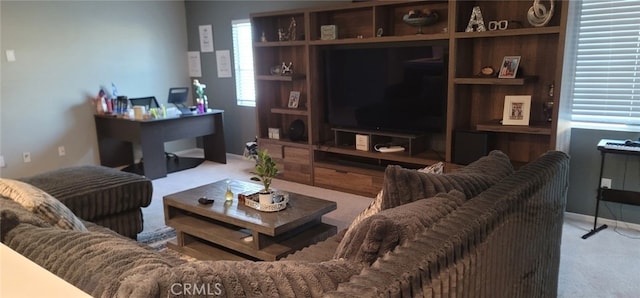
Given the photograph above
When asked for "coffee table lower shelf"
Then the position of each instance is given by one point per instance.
(204, 240)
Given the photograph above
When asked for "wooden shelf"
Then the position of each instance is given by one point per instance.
(420, 159)
(535, 128)
(281, 78)
(382, 39)
(267, 44)
(290, 111)
(510, 32)
(494, 81)
(285, 142)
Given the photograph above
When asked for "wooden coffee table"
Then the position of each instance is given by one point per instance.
(232, 231)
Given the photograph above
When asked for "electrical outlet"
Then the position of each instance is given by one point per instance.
(2, 164)
(26, 156)
(61, 151)
(605, 183)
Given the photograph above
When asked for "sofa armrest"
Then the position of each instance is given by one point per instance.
(96, 262)
(92, 192)
(503, 243)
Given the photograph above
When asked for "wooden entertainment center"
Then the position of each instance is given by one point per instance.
(326, 156)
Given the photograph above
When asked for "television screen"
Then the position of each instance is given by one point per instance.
(389, 88)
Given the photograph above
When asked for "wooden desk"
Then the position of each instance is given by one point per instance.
(117, 135)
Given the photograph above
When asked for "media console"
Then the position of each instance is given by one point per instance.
(340, 165)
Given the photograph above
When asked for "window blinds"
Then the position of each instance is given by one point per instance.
(243, 62)
(607, 77)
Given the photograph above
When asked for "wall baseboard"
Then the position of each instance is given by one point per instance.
(601, 220)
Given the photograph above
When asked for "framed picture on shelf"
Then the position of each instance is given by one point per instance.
(509, 67)
(294, 98)
(517, 109)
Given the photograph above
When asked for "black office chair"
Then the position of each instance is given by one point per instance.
(150, 102)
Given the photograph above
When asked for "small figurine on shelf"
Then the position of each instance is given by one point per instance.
(292, 29)
(280, 35)
(263, 38)
(547, 106)
(287, 69)
(200, 97)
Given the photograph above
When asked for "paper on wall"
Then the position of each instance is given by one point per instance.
(206, 38)
(223, 61)
(193, 58)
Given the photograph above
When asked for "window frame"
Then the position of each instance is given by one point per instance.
(592, 39)
(243, 64)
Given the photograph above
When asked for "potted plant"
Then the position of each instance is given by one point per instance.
(266, 169)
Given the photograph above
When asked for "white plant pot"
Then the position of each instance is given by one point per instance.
(265, 198)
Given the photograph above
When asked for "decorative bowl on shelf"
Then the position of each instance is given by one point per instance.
(421, 20)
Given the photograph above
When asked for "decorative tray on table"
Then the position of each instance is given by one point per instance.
(280, 199)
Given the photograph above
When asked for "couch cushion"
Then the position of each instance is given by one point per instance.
(406, 185)
(376, 205)
(12, 214)
(380, 233)
(402, 185)
(40, 203)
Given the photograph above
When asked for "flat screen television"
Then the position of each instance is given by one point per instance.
(390, 88)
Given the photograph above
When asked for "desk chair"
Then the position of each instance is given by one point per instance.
(150, 102)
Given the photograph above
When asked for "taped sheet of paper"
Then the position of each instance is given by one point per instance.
(223, 61)
(206, 38)
(194, 64)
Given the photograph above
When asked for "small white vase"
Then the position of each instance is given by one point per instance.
(265, 198)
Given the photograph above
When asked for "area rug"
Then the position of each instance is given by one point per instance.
(157, 239)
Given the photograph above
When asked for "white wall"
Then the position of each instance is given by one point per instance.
(67, 50)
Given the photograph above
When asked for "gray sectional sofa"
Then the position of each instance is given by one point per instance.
(486, 230)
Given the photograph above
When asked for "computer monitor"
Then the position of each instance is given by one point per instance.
(178, 95)
(149, 102)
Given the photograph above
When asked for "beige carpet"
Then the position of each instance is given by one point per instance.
(605, 265)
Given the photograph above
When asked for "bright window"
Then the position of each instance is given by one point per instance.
(606, 90)
(243, 63)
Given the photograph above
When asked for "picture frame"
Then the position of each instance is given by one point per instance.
(509, 67)
(517, 109)
(328, 32)
(294, 99)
